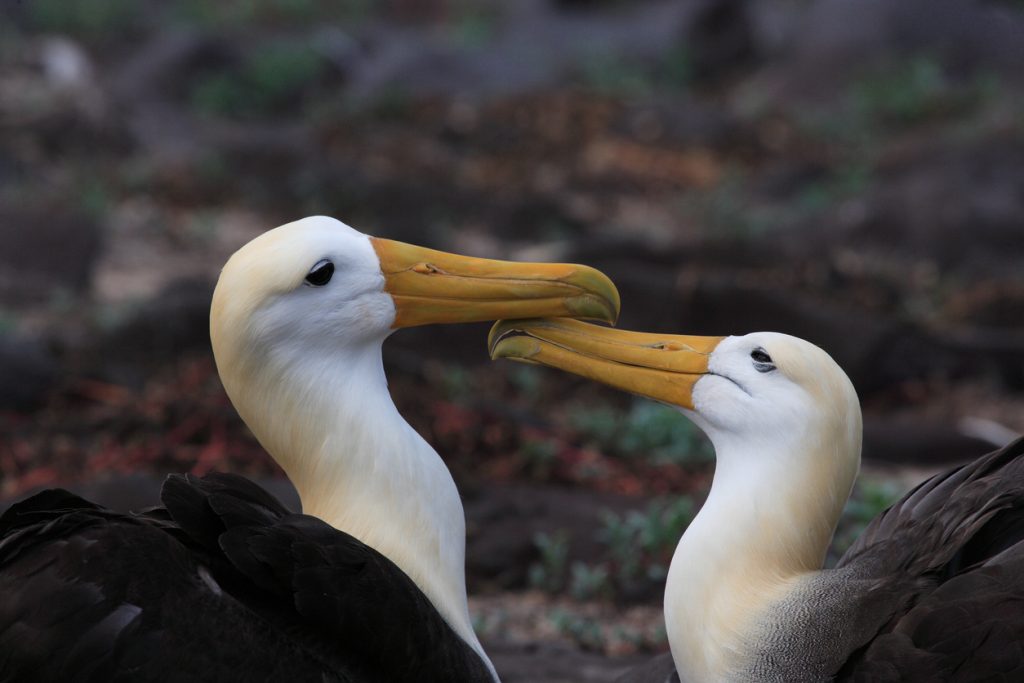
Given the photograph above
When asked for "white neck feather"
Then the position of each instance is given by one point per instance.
(764, 528)
(359, 466)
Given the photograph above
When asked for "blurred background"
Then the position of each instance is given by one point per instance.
(848, 172)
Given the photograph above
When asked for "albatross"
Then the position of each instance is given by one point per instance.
(932, 590)
(221, 582)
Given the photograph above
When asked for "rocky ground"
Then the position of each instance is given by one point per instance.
(849, 173)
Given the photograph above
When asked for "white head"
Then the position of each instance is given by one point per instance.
(767, 386)
(316, 286)
(756, 388)
(308, 287)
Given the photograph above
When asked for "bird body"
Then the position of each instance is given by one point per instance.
(221, 583)
(746, 597)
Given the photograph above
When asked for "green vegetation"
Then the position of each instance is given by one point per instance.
(650, 430)
(639, 548)
(905, 93)
(527, 380)
(869, 499)
(726, 210)
(8, 322)
(84, 18)
(676, 69)
(640, 544)
(894, 96)
(549, 573)
(472, 25)
(95, 197)
(228, 13)
(609, 74)
(843, 183)
(592, 633)
(455, 381)
(95, 19)
(587, 582)
(540, 456)
(582, 630)
(267, 80)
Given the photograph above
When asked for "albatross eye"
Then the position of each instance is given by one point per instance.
(321, 273)
(762, 361)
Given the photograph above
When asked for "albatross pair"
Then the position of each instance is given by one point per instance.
(224, 584)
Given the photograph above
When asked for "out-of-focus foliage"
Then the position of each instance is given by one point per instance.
(86, 18)
(870, 498)
(649, 430)
(638, 547)
(271, 78)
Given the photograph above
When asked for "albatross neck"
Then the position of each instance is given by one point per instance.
(358, 465)
(764, 529)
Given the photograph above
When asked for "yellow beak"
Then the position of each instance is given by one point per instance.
(664, 367)
(430, 286)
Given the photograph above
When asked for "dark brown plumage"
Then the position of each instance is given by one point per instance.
(221, 584)
(950, 556)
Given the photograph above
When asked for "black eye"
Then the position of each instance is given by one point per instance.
(321, 273)
(762, 361)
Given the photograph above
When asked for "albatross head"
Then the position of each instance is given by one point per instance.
(768, 386)
(758, 388)
(317, 283)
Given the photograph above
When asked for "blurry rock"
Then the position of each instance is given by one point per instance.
(45, 249)
(681, 120)
(924, 202)
(53, 78)
(585, 4)
(163, 329)
(719, 39)
(398, 59)
(417, 11)
(157, 69)
(822, 47)
(503, 521)
(875, 352)
(994, 303)
(990, 432)
(154, 90)
(50, 93)
(27, 373)
(918, 441)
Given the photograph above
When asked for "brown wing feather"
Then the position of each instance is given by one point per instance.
(939, 516)
(956, 544)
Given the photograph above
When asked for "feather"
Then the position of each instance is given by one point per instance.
(283, 595)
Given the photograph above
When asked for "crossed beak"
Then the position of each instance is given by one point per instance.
(664, 367)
